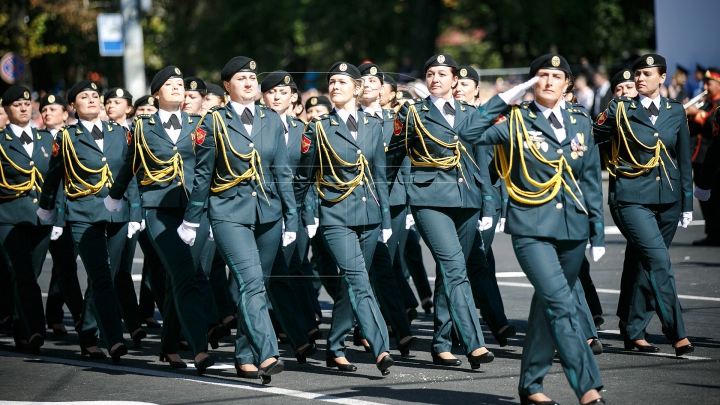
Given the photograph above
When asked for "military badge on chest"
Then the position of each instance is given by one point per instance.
(577, 145)
(55, 148)
(397, 127)
(199, 136)
(538, 140)
(305, 144)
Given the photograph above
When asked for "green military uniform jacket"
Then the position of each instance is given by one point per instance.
(90, 208)
(368, 203)
(265, 198)
(654, 186)
(562, 217)
(20, 207)
(307, 208)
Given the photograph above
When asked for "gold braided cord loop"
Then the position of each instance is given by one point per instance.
(171, 168)
(33, 174)
(327, 154)
(82, 188)
(425, 159)
(222, 145)
(623, 125)
(547, 190)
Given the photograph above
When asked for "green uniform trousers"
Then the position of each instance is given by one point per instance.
(64, 288)
(552, 267)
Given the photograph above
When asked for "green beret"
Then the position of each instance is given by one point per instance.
(52, 99)
(195, 84)
(145, 100)
(215, 90)
(118, 92)
(387, 79)
(371, 69)
(622, 76)
(550, 61)
(343, 68)
(320, 100)
(468, 72)
(442, 59)
(168, 72)
(15, 93)
(85, 85)
(278, 78)
(237, 64)
(649, 60)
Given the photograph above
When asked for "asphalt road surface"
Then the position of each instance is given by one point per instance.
(60, 374)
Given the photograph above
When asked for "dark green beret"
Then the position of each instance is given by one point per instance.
(85, 85)
(468, 72)
(195, 84)
(145, 100)
(371, 69)
(278, 78)
(168, 72)
(442, 59)
(622, 76)
(649, 60)
(52, 99)
(15, 93)
(387, 79)
(403, 95)
(215, 89)
(118, 92)
(319, 100)
(237, 64)
(550, 61)
(343, 68)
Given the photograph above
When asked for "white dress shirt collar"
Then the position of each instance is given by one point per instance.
(18, 132)
(344, 115)
(560, 133)
(173, 133)
(440, 104)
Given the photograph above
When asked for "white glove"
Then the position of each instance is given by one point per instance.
(133, 228)
(112, 204)
(597, 252)
(187, 232)
(312, 229)
(211, 237)
(386, 234)
(288, 238)
(56, 233)
(685, 219)
(518, 91)
(702, 195)
(500, 226)
(409, 221)
(142, 225)
(46, 215)
(484, 223)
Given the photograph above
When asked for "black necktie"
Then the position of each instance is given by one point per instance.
(246, 117)
(173, 123)
(25, 138)
(554, 121)
(449, 109)
(351, 124)
(285, 128)
(97, 133)
(652, 111)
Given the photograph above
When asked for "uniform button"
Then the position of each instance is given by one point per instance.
(359, 151)
(104, 158)
(460, 180)
(560, 151)
(252, 178)
(656, 134)
(455, 137)
(362, 183)
(34, 200)
(32, 163)
(179, 183)
(385, 144)
(252, 145)
(254, 194)
(657, 178)
(558, 206)
(174, 147)
(363, 199)
(33, 188)
(556, 170)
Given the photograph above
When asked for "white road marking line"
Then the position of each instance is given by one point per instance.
(217, 366)
(137, 277)
(679, 358)
(198, 379)
(509, 274)
(608, 291)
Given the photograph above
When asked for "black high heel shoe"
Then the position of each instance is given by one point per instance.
(138, 336)
(439, 361)
(528, 401)
(61, 331)
(316, 335)
(204, 364)
(596, 347)
(215, 334)
(246, 374)
(93, 355)
(174, 364)
(476, 361)
(273, 368)
(679, 351)
(631, 344)
(302, 355)
(412, 314)
(330, 362)
(33, 345)
(118, 353)
(384, 364)
(427, 306)
(404, 348)
(502, 338)
(357, 339)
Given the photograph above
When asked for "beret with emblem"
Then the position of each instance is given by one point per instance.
(712, 73)
(442, 59)
(166, 73)
(387, 79)
(118, 92)
(468, 72)
(550, 61)
(52, 99)
(319, 100)
(195, 84)
(371, 69)
(15, 93)
(622, 76)
(403, 95)
(649, 60)
(145, 100)
(344, 68)
(85, 85)
(237, 64)
(278, 78)
(215, 90)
